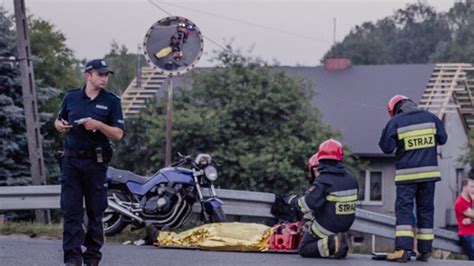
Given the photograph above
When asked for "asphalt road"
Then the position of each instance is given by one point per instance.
(22, 250)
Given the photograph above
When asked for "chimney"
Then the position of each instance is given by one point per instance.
(336, 63)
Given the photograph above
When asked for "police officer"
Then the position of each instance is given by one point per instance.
(88, 117)
(332, 200)
(414, 134)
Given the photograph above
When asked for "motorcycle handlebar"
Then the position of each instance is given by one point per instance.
(184, 159)
(187, 158)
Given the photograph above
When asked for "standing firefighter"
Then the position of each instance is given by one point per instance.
(414, 134)
(331, 200)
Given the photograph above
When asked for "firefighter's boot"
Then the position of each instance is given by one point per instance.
(398, 255)
(423, 257)
(341, 248)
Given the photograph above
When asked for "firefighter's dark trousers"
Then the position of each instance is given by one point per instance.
(316, 244)
(83, 179)
(407, 195)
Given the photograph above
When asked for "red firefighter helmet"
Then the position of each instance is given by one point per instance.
(331, 149)
(393, 102)
(313, 164)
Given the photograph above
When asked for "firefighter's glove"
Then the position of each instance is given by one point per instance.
(281, 209)
(290, 199)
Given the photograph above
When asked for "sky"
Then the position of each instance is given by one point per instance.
(288, 32)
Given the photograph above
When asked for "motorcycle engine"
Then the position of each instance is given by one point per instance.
(165, 198)
(162, 204)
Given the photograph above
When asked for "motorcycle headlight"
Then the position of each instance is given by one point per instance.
(211, 173)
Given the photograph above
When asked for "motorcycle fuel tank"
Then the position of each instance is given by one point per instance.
(176, 175)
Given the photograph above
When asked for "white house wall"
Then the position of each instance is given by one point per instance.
(448, 159)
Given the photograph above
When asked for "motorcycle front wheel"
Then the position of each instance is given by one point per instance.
(113, 221)
(217, 215)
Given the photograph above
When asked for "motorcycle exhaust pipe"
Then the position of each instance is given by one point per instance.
(113, 205)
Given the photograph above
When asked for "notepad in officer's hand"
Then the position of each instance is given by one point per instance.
(82, 120)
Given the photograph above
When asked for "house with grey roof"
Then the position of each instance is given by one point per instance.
(353, 98)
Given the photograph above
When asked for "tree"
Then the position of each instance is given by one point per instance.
(124, 65)
(460, 20)
(256, 121)
(55, 65)
(368, 44)
(411, 35)
(14, 157)
(422, 31)
(7, 36)
(14, 164)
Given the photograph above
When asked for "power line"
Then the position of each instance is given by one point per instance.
(214, 42)
(160, 8)
(247, 23)
(169, 14)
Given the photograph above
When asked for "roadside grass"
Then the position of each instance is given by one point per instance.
(51, 231)
(54, 231)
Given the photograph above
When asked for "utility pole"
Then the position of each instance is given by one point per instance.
(334, 32)
(33, 133)
(169, 122)
(139, 67)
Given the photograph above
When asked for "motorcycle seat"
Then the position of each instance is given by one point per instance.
(124, 176)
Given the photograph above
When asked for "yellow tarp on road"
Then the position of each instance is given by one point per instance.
(220, 236)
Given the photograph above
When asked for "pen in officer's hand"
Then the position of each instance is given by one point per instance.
(65, 123)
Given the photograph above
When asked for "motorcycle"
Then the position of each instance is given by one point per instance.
(164, 199)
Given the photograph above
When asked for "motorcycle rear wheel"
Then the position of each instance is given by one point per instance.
(114, 221)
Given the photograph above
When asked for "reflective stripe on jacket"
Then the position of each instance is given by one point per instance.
(415, 136)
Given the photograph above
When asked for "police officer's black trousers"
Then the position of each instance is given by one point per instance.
(83, 179)
(313, 246)
(407, 194)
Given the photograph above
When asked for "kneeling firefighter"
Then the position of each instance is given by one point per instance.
(331, 199)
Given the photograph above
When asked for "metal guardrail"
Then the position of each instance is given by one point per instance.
(242, 203)
(384, 226)
(29, 197)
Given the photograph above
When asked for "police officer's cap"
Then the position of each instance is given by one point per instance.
(98, 65)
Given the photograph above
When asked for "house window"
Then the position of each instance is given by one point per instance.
(459, 177)
(361, 181)
(357, 239)
(370, 186)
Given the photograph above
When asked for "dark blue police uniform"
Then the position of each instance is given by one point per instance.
(415, 135)
(83, 175)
